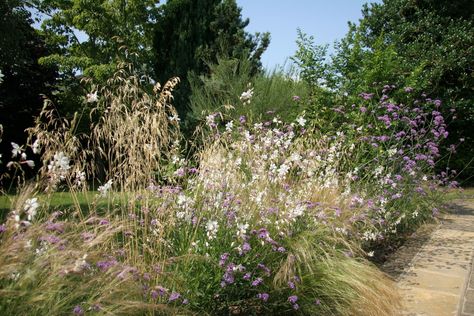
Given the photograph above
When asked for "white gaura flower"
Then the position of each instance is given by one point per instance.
(30, 207)
(296, 157)
(174, 118)
(258, 125)
(238, 162)
(212, 227)
(246, 96)
(301, 121)
(283, 170)
(378, 171)
(92, 97)
(210, 120)
(80, 264)
(181, 199)
(104, 189)
(229, 126)
(58, 168)
(16, 150)
(80, 178)
(36, 147)
(242, 230)
(391, 152)
(61, 161)
(30, 163)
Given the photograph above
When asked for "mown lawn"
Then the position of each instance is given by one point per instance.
(54, 201)
(65, 200)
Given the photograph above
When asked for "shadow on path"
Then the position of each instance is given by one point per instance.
(433, 268)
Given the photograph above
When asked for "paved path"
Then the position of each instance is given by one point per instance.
(433, 271)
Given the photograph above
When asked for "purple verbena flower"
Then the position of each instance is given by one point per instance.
(106, 264)
(263, 296)
(161, 290)
(57, 227)
(264, 268)
(223, 259)
(262, 233)
(292, 299)
(104, 222)
(386, 120)
(174, 296)
(50, 239)
(366, 96)
(257, 282)
(228, 277)
(247, 276)
(78, 310)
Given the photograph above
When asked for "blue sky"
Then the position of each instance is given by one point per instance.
(326, 20)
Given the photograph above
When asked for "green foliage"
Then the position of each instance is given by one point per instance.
(311, 59)
(89, 39)
(15, 28)
(436, 35)
(425, 45)
(110, 28)
(191, 34)
(276, 92)
(433, 41)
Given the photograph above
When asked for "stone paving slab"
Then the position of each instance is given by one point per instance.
(441, 303)
(434, 275)
(431, 279)
(467, 301)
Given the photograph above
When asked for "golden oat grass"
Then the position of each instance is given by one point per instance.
(137, 131)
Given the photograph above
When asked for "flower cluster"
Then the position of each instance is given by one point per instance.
(246, 96)
(104, 189)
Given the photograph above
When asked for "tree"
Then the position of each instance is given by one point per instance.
(90, 37)
(190, 35)
(24, 79)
